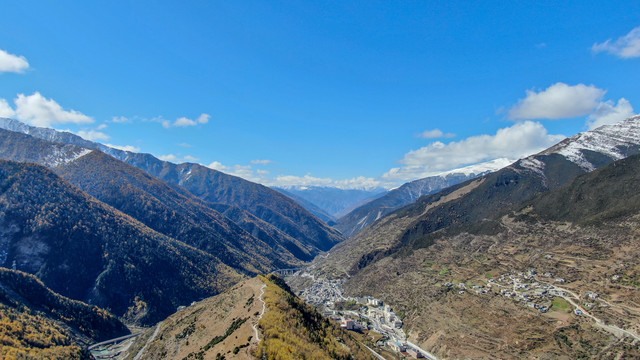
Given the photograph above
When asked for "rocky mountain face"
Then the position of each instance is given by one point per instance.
(212, 186)
(550, 213)
(89, 251)
(364, 215)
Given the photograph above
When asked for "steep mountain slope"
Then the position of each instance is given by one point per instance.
(259, 318)
(432, 260)
(476, 199)
(36, 322)
(86, 250)
(363, 216)
(212, 186)
(581, 238)
(169, 210)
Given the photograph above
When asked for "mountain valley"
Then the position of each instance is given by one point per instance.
(533, 260)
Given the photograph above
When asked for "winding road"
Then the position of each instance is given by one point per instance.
(610, 328)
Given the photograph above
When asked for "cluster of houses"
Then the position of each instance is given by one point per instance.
(521, 287)
(324, 292)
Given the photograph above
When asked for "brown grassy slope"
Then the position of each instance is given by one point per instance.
(587, 246)
(186, 334)
(295, 330)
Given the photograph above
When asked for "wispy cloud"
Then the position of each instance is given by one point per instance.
(12, 63)
(627, 46)
(434, 134)
(92, 135)
(558, 101)
(262, 162)
(125, 147)
(185, 122)
(120, 119)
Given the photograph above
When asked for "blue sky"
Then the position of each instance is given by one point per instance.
(350, 94)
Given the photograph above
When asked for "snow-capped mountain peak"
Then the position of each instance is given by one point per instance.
(614, 141)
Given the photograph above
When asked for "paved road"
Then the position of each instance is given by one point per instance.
(427, 354)
(153, 337)
(118, 339)
(378, 356)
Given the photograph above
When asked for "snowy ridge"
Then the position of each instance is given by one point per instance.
(60, 157)
(481, 168)
(610, 140)
(62, 137)
(533, 164)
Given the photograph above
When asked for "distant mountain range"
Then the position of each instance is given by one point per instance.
(334, 202)
(365, 214)
(550, 212)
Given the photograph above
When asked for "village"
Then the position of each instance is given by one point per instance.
(530, 288)
(362, 314)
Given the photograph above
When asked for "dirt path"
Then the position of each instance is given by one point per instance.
(264, 306)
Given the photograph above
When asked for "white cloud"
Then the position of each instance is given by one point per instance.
(184, 144)
(120, 119)
(124, 148)
(102, 126)
(262, 162)
(92, 135)
(169, 157)
(37, 110)
(609, 113)
(216, 165)
(520, 140)
(190, 158)
(359, 182)
(558, 101)
(627, 46)
(435, 133)
(184, 121)
(12, 63)
(262, 172)
(5, 109)
(203, 118)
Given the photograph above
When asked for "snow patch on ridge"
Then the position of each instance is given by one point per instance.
(609, 140)
(480, 168)
(533, 164)
(61, 157)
